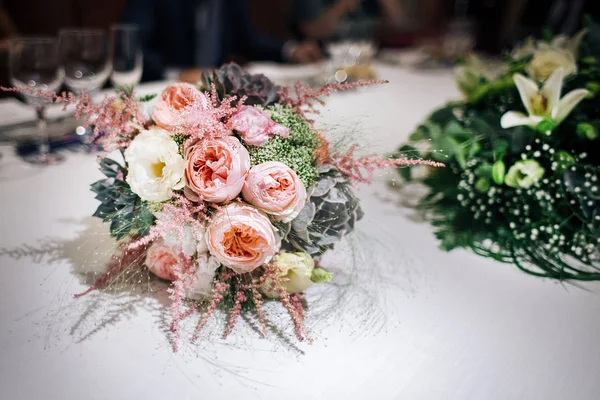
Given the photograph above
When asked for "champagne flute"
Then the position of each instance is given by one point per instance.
(86, 59)
(126, 51)
(35, 64)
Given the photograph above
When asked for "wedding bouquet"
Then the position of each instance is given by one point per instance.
(226, 190)
(523, 153)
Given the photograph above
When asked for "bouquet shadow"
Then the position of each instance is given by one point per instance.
(353, 298)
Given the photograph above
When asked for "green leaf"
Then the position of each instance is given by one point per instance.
(546, 125)
(147, 98)
(587, 131)
(499, 147)
(498, 172)
(411, 153)
(484, 170)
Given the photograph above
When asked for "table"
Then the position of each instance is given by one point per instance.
(413, 323)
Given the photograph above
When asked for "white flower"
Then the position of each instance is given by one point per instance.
(295, 271)
(544, 103)
(559, 42)
(524, 173)
(155, 166)
(546, 61)
(190, 240)
(205, 274)
(566, 43)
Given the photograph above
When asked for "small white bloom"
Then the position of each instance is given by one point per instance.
(546, 61)
(205, 274)
(295, 270)
(542, 103)
(155, 166)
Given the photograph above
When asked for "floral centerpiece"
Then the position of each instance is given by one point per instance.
(523, 153)
(226, 190)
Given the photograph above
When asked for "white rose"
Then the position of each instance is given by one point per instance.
(546, 61)
(295, 269)
(155, 166)
(205, 274)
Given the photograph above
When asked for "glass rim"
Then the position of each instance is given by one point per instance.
(81, 31)
(125, 27)
(34, 39)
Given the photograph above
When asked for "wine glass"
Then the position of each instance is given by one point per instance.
(85, 58)
(35, 64)
(126, 51)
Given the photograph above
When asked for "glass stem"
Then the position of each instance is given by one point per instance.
(41, 123)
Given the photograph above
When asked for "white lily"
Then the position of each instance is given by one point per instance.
(544, 103)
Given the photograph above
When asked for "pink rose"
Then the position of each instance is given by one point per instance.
(179, 104)
(274, 188)
(166, 262)
(242, 238)
(256, 126)
(216, 169)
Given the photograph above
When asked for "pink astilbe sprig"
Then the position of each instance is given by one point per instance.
(174, 218)
(258, 303)
(186, 278)
(236, 310)
(115, 119)
(304, 99)
(362, 169)
(124, 259)
(211, 119)
(219, 287)
(271, 275)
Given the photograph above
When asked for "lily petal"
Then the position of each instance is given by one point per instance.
(527, 89)
(568, 103)
(514, 118)
(552, 88)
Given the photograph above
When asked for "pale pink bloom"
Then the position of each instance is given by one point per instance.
(216, 169)
(179, 105)
(242, 238)
(274, 188)
(255, 126)
(166, 262)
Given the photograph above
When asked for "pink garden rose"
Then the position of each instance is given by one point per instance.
(164, 261)
(216, 169)
(179, 104)
(274, 188)
(242, 238)
(255, 126)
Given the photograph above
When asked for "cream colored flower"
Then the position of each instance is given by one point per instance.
(546, 61)
(544, 103)
(295, 271)
(155, 166)
(524, 173)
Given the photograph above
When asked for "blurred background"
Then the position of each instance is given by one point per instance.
(171, 30)
(87, 46)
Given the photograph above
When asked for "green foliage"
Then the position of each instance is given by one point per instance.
(147, 98)
(297, 151)
(125, 211)
(550, 227)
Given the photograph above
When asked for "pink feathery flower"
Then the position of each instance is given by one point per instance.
(305, 99)
(361, 169)
(115, 119)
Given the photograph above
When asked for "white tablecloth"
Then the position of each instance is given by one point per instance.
(413, 322)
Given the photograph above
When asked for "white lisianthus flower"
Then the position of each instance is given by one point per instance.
(524, 174)
(546, 61)
(544, 103)
(155, 166)
(205, 275)
(294, 270)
